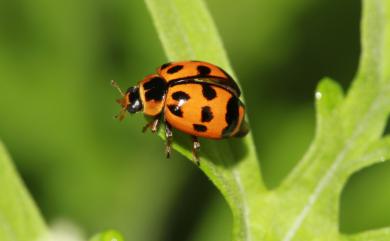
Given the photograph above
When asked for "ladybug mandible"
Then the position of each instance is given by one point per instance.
(195, 97)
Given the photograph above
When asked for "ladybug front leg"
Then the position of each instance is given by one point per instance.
(195, 149)
(168, 138)
(153, 125)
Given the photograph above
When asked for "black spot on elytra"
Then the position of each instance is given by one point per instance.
(208, 92)
(180, 95)
(199, 127)
(231, 116)
(174, 109)
(207, 115)
(174, 69)
(164, 66)
(155, 89)
(203, 70)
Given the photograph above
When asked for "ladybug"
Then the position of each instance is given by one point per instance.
(194, 97)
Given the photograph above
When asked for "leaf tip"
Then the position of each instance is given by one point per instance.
(328, 95)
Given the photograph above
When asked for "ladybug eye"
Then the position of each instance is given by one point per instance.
(135, 103)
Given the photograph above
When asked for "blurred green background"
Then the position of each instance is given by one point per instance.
(80, 164)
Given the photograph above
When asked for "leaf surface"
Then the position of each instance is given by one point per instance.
(20, 219)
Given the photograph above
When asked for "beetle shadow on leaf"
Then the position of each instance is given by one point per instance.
(224, 152)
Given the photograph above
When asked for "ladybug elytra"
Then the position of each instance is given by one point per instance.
(194, 97)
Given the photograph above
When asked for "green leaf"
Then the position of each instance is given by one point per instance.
(329, 96)
(109, 235)
(378, 151)
(348, 133)
(20, 219)
(187, 32)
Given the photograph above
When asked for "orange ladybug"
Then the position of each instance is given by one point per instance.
(194, 97)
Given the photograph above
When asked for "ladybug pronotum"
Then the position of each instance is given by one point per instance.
(194, 97)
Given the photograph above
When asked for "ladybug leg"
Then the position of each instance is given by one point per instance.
(195, 149)
(168, 138)
(153, 125)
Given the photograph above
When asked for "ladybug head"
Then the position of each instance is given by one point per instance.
(134, 101)
(130, 102)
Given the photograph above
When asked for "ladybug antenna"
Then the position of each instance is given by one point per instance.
(116, 86)
(122, 101)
